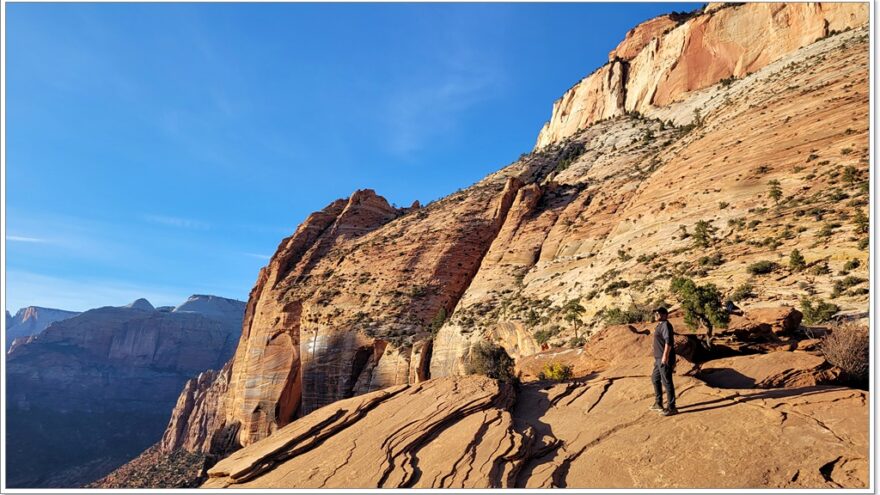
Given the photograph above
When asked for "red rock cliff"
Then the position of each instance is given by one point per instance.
(660, 61)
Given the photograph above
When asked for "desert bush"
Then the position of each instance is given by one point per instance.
(486, 358)
(704, 234)
(744, 291)
(850, 174)
(820, 269)
(542, 336)
(817, 311)
(847, 348)
(852, 264)
(555, 371)
(796, 261)
(761, 267)
(861, 222)
(632, 314)
(577, 342)
(438, 321)
(713, 260)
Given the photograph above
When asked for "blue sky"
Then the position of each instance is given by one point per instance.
(161, 150)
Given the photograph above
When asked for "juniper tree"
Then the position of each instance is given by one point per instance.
(701, 304)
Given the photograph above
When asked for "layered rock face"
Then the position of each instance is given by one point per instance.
(31, 321)
(664, 59)
(593, 432)
(105, 381)
(364, 296)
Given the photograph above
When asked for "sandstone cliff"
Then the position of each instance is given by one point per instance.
(92, 391)
(365, 297)
(664, 59)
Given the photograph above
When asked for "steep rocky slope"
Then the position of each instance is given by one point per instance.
(105, 381)
(31, 321)
(592, 432)
(364, 296)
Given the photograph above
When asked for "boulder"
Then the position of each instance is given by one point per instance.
(772, 370)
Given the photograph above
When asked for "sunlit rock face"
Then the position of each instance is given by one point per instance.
(664, 59)
(365, 296)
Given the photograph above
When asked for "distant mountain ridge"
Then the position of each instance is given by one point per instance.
(106, 381)
(32, 320)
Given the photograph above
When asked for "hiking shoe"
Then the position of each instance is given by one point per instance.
(670, 411)
(656, 407)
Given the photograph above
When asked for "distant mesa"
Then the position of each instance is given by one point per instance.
(108, 376)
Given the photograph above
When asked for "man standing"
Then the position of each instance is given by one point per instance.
(664, 364)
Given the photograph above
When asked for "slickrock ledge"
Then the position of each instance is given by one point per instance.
(592, 432)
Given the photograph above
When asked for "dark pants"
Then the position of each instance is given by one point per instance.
(662, 375)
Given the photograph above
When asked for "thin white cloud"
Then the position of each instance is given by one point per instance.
(257, 255)
(183, 223)
(21, 238)
(432, 103)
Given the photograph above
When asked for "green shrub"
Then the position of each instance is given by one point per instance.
(723, 205)
(555, 371)
(577, 342)
(743, 292)
(850, 174)
(796, 261)
(632, 314)
(852, 264)
(861, 222)
(614, 287)
(700, 304)
(438, 321)
(762, 267)
(486, 358)
(704, 234)
(827, 229)
(713, 260)
(820, 269)
(542, 336)
(817, 311)
(775, 190)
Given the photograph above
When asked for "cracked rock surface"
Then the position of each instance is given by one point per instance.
(595, 431)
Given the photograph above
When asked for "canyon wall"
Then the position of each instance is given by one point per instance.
(91, 391)
(365, 296)
(664, 59)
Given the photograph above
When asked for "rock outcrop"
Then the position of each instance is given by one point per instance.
(104, 381)
(365, 297)
(31, 321)
(665, 58)
(592, 432)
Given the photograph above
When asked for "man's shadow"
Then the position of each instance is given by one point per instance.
(771, 393)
